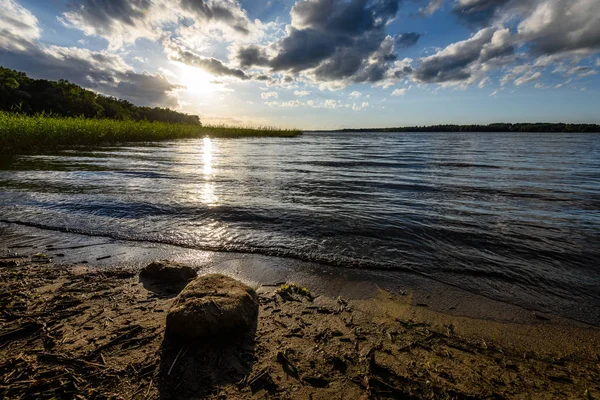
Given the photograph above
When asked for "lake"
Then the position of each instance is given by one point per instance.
(515, 217)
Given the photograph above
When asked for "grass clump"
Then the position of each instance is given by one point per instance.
(291, 291)
(20, 132)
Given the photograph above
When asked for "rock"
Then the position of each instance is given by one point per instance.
(213, 305)
(8, 263)
(168, 272)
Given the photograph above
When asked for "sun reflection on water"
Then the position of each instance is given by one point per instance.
(208, 195)
(207, 155)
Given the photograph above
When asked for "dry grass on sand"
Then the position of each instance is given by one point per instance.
(68, 332)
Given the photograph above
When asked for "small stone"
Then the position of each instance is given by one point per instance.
(9, 263)
(168, 272)
(213, 305)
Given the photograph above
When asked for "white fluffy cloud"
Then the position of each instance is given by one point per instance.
(562, 27)
(530, 77)
(123, 22)
(359, 107)
(552, 30)
(269, 95)
(431, 8)
(17, 25)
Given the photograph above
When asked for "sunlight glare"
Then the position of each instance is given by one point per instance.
(197, 81)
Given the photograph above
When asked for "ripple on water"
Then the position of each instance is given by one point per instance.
(515, 217)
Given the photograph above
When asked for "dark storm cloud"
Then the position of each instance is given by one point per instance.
(340, 40)
(210, 65)
(252, 55)
(102, 72)
(226, 12)
(407, 39)
(145, 89)
(349, 62)
(103, 13)
(353, 17)
(304, 49)
(455, 62)
(477, 13)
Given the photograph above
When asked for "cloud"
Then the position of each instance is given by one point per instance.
(399, 92)
(355, 95)
(549, 27)
(514, 72)
(124, 21)
(431, 8)
(118, 21)
(407, 39)
(18, 26)
(332, 40)
(146, 89)
(291, 103)
(581, 71)
(477, 13)
(359, 107)
(562, 27)
(269, 95)
(225, 11)
(208, 64)
(528, 78)
(466, 60)
(252, 56)
(100, 71)
(330, 104)
(301, 93)
(483, 82)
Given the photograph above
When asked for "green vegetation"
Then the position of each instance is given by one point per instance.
(24, 133)
(293, 292)
(498, 127)
(20, 93)
(39, 115)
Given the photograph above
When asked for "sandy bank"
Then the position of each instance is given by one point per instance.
(69, 330)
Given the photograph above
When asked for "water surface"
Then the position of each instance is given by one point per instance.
(515, 217)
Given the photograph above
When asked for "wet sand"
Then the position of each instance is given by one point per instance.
(79, 331)
(101, 253)
(77, 321)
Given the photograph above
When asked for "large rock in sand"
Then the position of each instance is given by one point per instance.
(168, 272)
(213, 305)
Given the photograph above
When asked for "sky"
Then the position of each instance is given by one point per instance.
(320, 64)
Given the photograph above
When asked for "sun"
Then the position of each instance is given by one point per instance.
(197, 81)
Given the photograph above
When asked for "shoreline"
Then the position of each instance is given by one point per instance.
(100, 331)
(103, 252)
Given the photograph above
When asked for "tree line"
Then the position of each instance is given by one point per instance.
(497, 127)
(20, 93)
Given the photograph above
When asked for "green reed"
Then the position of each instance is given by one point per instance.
(19, 132)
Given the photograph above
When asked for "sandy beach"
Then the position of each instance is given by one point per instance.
(78, 331)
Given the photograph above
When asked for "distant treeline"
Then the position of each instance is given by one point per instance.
(499, 127)
(19, 93)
